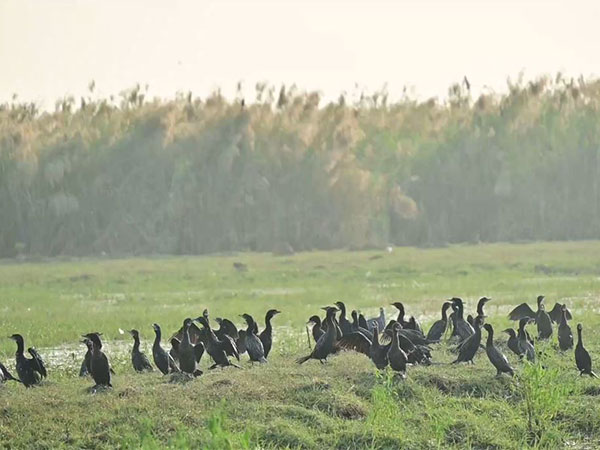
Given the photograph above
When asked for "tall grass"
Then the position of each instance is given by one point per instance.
(193, 175)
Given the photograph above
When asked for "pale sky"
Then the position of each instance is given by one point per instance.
(51, 48)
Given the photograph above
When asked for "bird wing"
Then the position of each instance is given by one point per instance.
(355, 341)
(556, 312)
(229, 328)
(522, 311)
(38, 362)
(228, 344)
(198, 351)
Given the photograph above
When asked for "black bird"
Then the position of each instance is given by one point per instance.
(317, 329)
(29, 370)
(513, 341)
(240, 342)
(254, 345)
(139, 359)
(362, 322)
(461, 327)
(495, 356)
(266, 335)
(396, 356)
(380, 321)
(377, 352)
(327, 343)
(565, 335)
(556, 313)
(525, 346)
(524, 310)
(543, 321)
(218, 349)
(582, 357)
(480, 305)
(99, 365)
(356, 327)
(469, 347)
(413, 324)
(86, 364)
(5, 375)
(190, 354)
(401, 313)
(226, 327)
(162, 359)
(438, 329)
(344, 323)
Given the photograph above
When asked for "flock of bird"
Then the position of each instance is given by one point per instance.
(399, 343)
(402, 342)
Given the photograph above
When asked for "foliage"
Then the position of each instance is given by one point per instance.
(191, 175)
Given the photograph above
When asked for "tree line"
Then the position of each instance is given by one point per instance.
(189, 175)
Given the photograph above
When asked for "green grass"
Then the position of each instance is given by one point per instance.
(343, 404)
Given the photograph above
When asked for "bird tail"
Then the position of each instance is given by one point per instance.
(303, 359)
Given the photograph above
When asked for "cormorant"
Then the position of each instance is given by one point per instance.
(438, 329)
(513, 341)
(344, 323)
(266, 335)
(582, 357)
(317, 329)
(396, 356)
(162, 359)
(174, 350)
(29, 370)
(327, 343)
(139, 359)
(356, 326)
(480, 305)
(469, 347)
(254, 346)
(226, 327)
(362, 322)
(86, 364)
(5, 375)
(543, 321)
(190, 354)
(462, 328)
(380, 321)
(556, 313)
(401, 313)
(377, 352)
(218, 349)
(99, 365)
(413, 324)
(525, 346)
(565, 335)
(495, 356)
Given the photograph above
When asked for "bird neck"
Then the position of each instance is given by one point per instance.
(157, 337)
(579, 338)
(268, 326)
(136, 343)
(20, 346)
(490, 338)
(251, 327)
(444, 314)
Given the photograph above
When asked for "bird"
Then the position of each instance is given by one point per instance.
(163, 360)
(226, 327)
(468, 348)
(254, 345)
(480, 305)
(495, 356)
(401, 313)
(438, 329)
(362, 322)
(29, 370)
(377, 352)
(218, 349)
(266, 335)
(524, 310)
(396, 356)
(99, 365)
(174, 350)
(556, 313)
(189, 353)
(525, 346)
(513, 341)
(379, 320)
(413, 324)
(139, 360)
(344, 323)
(356, 326)
(461, 327)
(317, 329)
(5, 375)
(326, 343)
(543, 321)
(565, 335)
(582, 357)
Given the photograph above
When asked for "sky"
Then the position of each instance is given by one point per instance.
(53, 48)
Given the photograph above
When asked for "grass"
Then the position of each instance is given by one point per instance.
(344, 404)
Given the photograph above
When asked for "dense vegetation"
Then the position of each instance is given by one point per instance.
(343, 404)
(192, 175)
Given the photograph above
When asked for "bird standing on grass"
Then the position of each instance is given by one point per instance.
(139, 359)
(327, 343)
(254, 346)
(99, 365)
(396, 356)
(438, 329)
(163, 360)
(469, 346)
(266, 335)
(495, 356)
(582, 357)
(565, 335)
(30, 370)
(525, 346)
(189, 354)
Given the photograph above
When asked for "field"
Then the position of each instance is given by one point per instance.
(342, 404)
